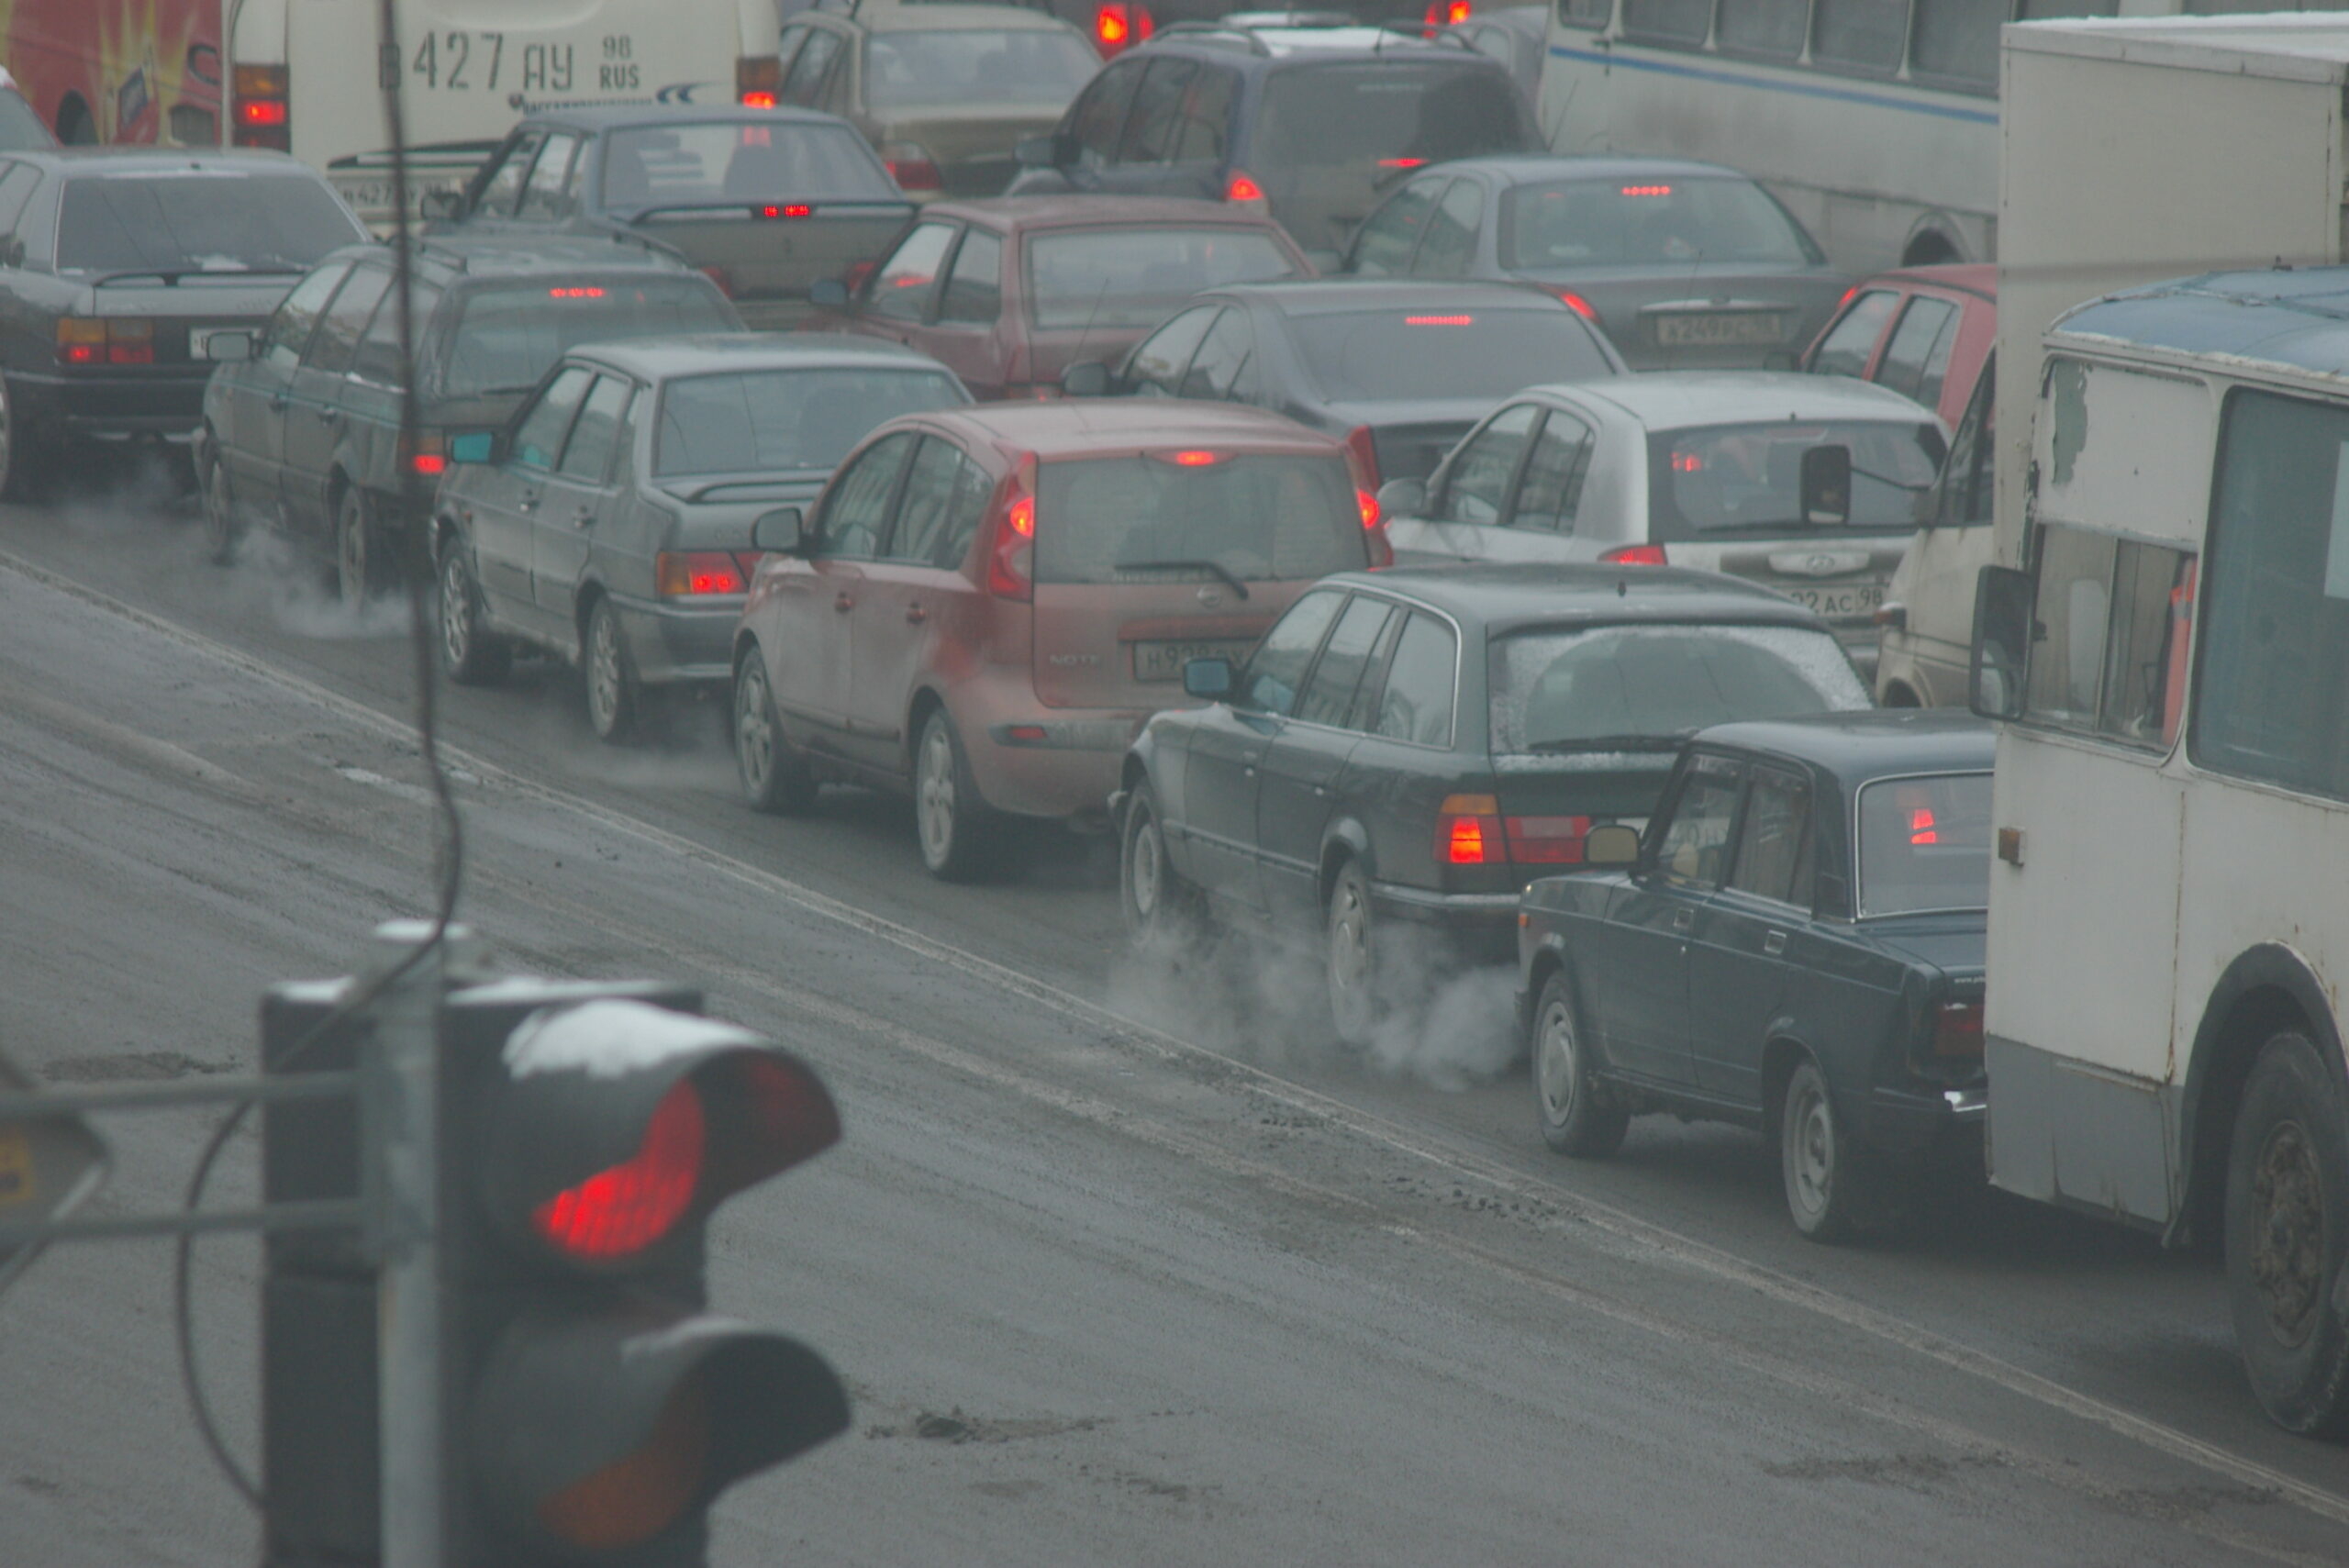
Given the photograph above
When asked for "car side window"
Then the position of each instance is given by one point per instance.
(1207, 116)
(1694, 849)
(336, 341)
(547, 197)
(1774, 849)
(1416, 704)
(1450, 247)
(1916, 361)
(856, 517)
(378, 358)
(805, 82)
(1850, 343)
(289, 329)
(1329, 694)
(1477, 487)
(537, 439)
(1278, 665)
(1382, 249)
(1551, 492)
(1965, 478)
(502, 189)
(1099, 117)
(974, 287)
(929, 505)
(1225, 364)
(588, 457)
(1156, 123)
(973, 491)
(1159, 363)
(907, 281)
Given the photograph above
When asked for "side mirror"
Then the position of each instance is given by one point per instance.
(442, 207)
(777, 531)
(229, 348)
(828, 294)
(1402, 497)
(1209, 678)
(1087, 378)
(473, 446)
(1827, 485)
(2003, 638)
(1612, 844)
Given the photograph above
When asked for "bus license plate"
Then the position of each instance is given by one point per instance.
(1720, 329)
(1851, 599)
(1164, 660)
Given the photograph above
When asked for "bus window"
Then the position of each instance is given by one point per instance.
(2101, 659)
(1859, 35)
(1586, 13)
(1771, 28)
(1956, 42)
(1668, 21)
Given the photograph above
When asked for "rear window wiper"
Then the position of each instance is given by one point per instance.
(1215, 566)
(1647, 742)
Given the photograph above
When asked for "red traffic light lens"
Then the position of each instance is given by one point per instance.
(631, 1205)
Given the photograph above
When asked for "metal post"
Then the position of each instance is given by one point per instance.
(409, 1294)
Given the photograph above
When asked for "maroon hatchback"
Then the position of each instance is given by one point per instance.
(1009, 293)
(985, 604)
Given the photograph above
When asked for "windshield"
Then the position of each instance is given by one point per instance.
(504, 339)
(717, 165)
(1718, 478)
(1925, 844)
(1372, 356)
(199, 219)
(1633, 223)
(975, 66)
(1397, 114)
(1135, 277)
(1255, 516)
(1554, 690)
(772, 419)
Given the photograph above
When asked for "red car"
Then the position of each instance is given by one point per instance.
(1925, 332)
(1010, 291)
(987, 604)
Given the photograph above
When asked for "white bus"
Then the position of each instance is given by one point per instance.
(305, 76)
(2169, 903)
(1875, 121)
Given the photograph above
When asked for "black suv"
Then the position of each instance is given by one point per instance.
(304, 434)
(1311, 123)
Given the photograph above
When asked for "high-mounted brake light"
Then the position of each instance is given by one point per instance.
(758, 80)
(632, 1205)
(1957, 1029)
(1634, 555)
(575, 293)
(1190, 459)
(691, 572)
(262, 116)
(1647, 190)
(1243, 189)
(1468, 831)
(1438, 321)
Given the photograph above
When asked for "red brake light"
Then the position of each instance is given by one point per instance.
(260, 116)
(1647, 190)
(632, 1205)
(1110, 26)
(1242, 188)
(262, 112)
(1402, 162)
(576, 294)
(1921, 829)
(429, 463)
(1445, 12)
(1687, 462)
(758, 100)
(1368, 504)
(1181, 459)
(912, 167)
(1578, 305)
(1957, 1029)
(697, 571)
(1119, 23)
(1849, 295)
(1468, 831)
(1634, 555)
(1438, 321)
(757, 78)
(1008, 568)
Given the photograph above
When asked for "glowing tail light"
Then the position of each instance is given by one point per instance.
(1362, 457)
(1120, 24)
(758, 80)
(1647, 190)
(1547, 840)
(690, 574)
(1468, 831)
(1443, 14)
(428, 464)
(1192, 458)
(1578, 305)
(1921, 828)
(912, 167)
(104, 341)
(1634, 555)
(262, 113)
(1011, 564)
(786, 209)
(1957, 1029)
(1243, 189)
(633, 1205)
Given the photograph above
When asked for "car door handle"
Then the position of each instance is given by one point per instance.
(584, 516)
(1774, 942)
(329, 416)
(843, 603)
(915, 614)
(1683, 919)
(528, 503)
(278, 400)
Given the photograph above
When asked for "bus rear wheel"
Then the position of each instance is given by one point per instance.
(2287, 1230)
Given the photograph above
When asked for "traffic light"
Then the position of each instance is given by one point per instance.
(593, 1407)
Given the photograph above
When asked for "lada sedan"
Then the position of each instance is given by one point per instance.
(1795, 943)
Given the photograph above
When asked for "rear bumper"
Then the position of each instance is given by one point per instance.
(1059, 763)
(675, 645)
(1910, 1122)
(110, 406)
(1481, 926)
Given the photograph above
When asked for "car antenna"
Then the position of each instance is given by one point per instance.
(1077, 355)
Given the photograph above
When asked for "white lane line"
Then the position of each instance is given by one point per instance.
(1685, 1249)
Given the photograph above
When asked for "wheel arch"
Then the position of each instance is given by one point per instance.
(1782, 1053)
(1345, 840)
(926, 700)
(2266, 989)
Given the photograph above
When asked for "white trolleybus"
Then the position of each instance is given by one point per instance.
(2170, 905)
(1875, 121)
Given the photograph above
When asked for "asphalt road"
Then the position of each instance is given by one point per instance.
(1120, 1270)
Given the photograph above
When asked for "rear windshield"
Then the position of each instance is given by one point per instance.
(1396, 113)
(1622, 688)
(199, 219)
(1445, 351)
(503, 339)
(1633, 223)
(925, 69)
(1718, 479)
(1155, 519)
(1925, 844)
(1135, 277)
(759, 420)
(650, 167)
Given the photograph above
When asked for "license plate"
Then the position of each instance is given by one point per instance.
(1720, 329)
(1164, 660)
(1850, 599)
(371, 195)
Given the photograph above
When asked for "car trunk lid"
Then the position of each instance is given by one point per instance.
(766, 254)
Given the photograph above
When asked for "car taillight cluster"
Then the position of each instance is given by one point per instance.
(1243, 190)
(1471, 831)
(1362, 457)
(1634, 555)
(1011, 564)
(758, 79)
(261, 114)
(104, 341)
(690, 574)
(427, 454)
(1443, 14)
(1121, 24)
(1957, 1029)
(912, 167)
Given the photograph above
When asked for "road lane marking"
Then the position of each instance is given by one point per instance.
(1620, 1223)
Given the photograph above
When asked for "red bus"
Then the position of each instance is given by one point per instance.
(117, 70)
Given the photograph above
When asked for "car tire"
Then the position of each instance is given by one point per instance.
(360, 552)
(1567, 1102)
(1350, 952)
(1832, 1181)
(2287, 1232)
(776, 777)
(470, 654)
(608, 668)
(1164, 913)
(220, 530)
(957, 831)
